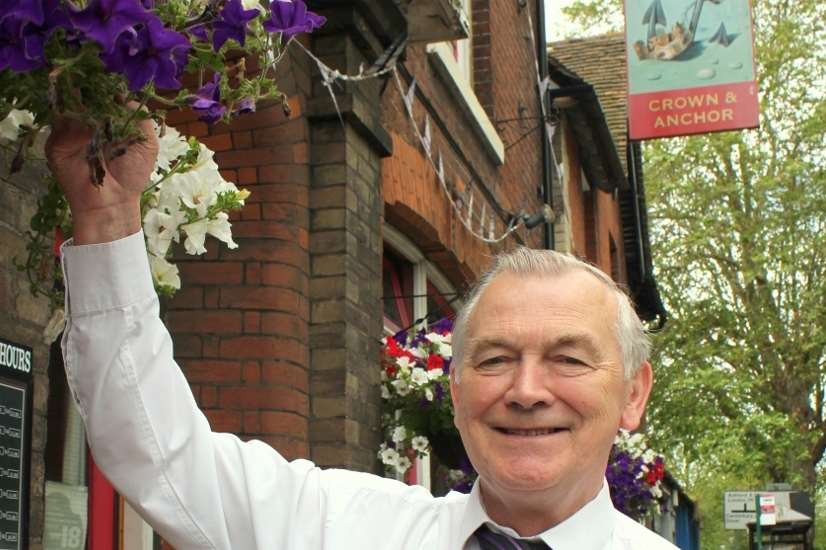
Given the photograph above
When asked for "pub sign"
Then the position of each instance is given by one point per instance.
(690, 67)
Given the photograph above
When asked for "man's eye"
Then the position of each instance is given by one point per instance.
(493, 361)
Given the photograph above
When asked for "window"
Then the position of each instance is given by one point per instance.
(414, 290)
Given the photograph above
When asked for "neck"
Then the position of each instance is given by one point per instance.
(531, 513)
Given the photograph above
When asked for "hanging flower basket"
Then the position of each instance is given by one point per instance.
(417, 415)
(111, 64)
(635, 473)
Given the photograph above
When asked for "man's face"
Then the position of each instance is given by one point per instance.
(542, 391)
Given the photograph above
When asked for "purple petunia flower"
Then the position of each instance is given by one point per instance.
(105, 20)
(150, 52)
(24, 32)
(200, 32)
(246, 105)
(443, 326)
(401, 337)
(290, 17)
(207, 100)
(232, 23)
(25, 10)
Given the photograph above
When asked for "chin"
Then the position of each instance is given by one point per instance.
(526, 476)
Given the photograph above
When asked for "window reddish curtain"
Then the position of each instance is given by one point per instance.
(438, 307)
(397, 288)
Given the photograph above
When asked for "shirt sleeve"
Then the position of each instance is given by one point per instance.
(197, 488)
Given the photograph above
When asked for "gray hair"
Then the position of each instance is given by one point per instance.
(634, 343)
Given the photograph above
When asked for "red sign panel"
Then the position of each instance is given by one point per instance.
(690, 67)
(693, 110)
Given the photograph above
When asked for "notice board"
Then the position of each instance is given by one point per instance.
(15, 443)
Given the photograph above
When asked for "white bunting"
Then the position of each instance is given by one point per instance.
(408, 98)
(544, 85)
(427, 139)
(470, 211)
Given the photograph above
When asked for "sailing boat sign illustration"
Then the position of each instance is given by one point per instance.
(690, 67)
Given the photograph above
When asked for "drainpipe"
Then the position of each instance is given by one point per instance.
(547, 181)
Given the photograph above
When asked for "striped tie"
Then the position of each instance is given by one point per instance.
(490, 540)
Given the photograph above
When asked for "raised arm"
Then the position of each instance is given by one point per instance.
(198, 489)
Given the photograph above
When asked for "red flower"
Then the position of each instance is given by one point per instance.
(651, 477)
(659, 470)
(393, 349)
(435, 362)
(391, 370)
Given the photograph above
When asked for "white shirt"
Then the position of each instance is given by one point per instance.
(208, 490)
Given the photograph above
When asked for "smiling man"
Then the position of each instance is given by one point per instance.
(551, 361)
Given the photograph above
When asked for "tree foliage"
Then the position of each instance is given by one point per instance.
(739, 244)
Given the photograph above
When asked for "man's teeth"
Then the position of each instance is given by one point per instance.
(543, 431)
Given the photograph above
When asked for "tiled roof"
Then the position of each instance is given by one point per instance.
(600, 61)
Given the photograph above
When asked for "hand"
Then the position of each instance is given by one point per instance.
(112, 210)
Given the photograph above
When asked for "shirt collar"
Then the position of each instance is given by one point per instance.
(578, 532)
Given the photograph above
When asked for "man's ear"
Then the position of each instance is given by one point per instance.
(638, 389)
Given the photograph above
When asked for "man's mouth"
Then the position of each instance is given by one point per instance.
(535, 432)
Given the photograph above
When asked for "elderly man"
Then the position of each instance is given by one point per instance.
(550, 361)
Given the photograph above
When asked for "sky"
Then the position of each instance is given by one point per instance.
(555, 24)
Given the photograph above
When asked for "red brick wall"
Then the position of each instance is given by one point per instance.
(505, 83)
(241, 320)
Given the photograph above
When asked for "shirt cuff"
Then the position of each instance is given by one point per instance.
(112, 275)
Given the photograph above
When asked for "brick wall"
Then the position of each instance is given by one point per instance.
(592, 217)
(22, 320)
(504, 81)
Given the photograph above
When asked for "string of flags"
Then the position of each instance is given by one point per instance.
(472, 214)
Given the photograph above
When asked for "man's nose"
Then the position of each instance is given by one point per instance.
(529, 388)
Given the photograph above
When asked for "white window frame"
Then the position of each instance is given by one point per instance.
(423, 271)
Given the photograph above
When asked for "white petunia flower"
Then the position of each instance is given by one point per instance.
(433, 374)
(401, 386)
(418, 376)
(403, 464)
(399, 433)
(164, 273)
(220, 229)
(436, 338)
(419, 352)
(403, 361)
(428, 394)
(10, 126)
(171, 146)
(446, 350)
(389, 457)
(385, 393)
(420, 444)
(195, 236)
(161, 229)
(250, 4)
(197, 191)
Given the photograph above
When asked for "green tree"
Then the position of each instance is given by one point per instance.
(739, 244)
